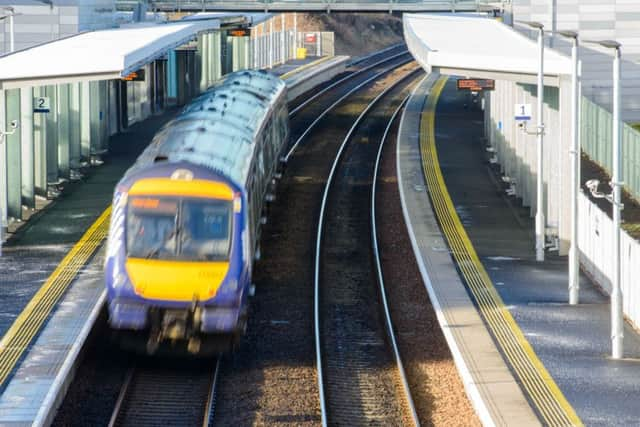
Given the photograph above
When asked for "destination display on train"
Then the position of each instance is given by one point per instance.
(476, 85)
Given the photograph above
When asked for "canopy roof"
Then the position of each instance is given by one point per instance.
(97, 55)
(479, 47)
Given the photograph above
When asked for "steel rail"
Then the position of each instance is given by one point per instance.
(376, 253)
(123, 406)
(121, 396)
(323, 205)
(336, 103)
(211, 401)
(360, 59)
(342, 80)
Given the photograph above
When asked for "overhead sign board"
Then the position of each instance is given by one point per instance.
(523, 111)
(135, 76)
(41, 104)
(476, 85)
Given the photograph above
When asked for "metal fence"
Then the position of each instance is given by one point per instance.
(316, 43)
(596, 246)
(596, 140)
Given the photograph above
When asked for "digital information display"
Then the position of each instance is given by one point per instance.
(136, 76)
(240, 32)
(476, 85)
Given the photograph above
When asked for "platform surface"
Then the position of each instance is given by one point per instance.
(22, 400)
(573, 342)
(490, 385)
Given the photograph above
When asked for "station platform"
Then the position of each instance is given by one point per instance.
(476, 248)
(53, 287)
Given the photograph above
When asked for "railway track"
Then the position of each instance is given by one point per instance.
(360, 376)
(274, 370)
(160, 393)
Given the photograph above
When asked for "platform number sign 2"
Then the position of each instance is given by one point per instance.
(523, 111)
(41, 104)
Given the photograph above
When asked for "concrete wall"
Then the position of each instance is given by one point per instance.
(595, 20)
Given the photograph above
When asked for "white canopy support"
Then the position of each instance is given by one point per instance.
(480, 47)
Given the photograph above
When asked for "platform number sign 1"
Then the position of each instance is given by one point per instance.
(41, 104)
(523, 111)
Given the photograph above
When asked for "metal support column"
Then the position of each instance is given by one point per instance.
(295, 34)
(85, 121)
(12, 152)
(617, 314)
(271, 43)
(103, 103)
(540, 207)
(95, 119)
(3, 167)
(63, 130)
(202, 55)
(172, 78)
(51, 135)
(216, 56)
(283, 58)
(27, 148)
(75, 126)
(40, 147)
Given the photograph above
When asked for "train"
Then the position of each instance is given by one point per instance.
(186, 219)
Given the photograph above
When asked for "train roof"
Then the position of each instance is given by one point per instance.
(217, 130)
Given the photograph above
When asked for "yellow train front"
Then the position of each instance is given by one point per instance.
(185, 221)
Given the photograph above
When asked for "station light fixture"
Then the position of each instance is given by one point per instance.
(617, 320)
(540, 217)
(574, 250)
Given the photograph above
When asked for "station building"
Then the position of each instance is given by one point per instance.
(594, 20)
(40, 21)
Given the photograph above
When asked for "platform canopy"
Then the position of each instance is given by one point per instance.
(98, 55)
(477, 46)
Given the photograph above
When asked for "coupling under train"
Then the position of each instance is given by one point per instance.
(186, 217)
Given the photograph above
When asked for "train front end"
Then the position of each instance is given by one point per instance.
(176, 272)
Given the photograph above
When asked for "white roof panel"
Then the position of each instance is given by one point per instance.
(103, 54)
(477, 43)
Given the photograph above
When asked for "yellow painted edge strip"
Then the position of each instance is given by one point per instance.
(28, 323)
(285, 76)
(542, 389)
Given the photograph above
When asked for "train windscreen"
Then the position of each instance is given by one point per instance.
(171, 228)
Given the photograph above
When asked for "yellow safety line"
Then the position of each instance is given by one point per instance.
(542, 389)
(26, 326)
(305, 66)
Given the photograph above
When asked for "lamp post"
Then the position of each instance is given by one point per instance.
(574, 257)
(617, 320)
(540, 221)
(10, 14)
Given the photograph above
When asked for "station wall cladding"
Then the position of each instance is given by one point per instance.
(38, 23)
(594, 20)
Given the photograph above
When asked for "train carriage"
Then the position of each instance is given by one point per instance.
(186, 217)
